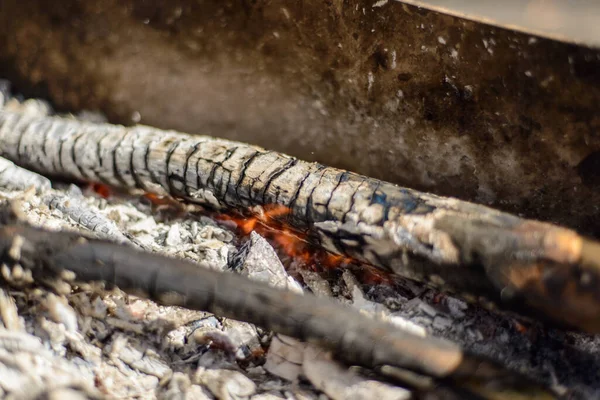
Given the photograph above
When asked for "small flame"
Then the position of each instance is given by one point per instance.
(266, 222)
(270, 223)
(158, 200)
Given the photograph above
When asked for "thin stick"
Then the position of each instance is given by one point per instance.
(539, 269)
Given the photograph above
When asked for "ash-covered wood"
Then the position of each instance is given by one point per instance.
(542, 270)
(378, 87)
(73, 205)
(14, 177)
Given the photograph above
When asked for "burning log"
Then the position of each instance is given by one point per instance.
(65, 258)
(536, 268)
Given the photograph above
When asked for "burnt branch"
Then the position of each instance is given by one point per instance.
(356, 339)
(14, 177)
(536, 268)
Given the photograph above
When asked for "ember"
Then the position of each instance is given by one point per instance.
(101, 189)
(295, 247)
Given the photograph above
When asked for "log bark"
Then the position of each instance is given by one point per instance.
(539, 269)
(352, 336)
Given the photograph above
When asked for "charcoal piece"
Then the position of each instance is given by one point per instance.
(257, 260)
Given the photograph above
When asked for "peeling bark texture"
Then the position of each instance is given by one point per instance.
(539, 269)
(74, 206)
(353, 337)
(387, 90)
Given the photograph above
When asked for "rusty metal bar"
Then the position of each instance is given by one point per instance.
(539, 269)
(571, 22)
(47, 256)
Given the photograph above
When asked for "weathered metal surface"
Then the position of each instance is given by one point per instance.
(543, 270)
(353, 337)
(384, 89)
(571, 22)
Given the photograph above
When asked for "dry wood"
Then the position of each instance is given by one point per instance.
(352, 336)
(539, 269)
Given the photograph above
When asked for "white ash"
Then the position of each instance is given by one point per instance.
(34, 107)
(339, 383)
(378, 310)
(285, 357)
(225, 384)
(17, 178)
(291, 359)
(114, 345)
(316, 283)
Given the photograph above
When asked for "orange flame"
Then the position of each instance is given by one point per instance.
(159, 200)
(270, 223)
(106, 191)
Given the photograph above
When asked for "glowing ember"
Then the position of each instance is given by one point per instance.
(101, 189)
(158, 200)
(264, 221)
(269, 222)
(106, 191)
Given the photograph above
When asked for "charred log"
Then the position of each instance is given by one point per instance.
(540, 269)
